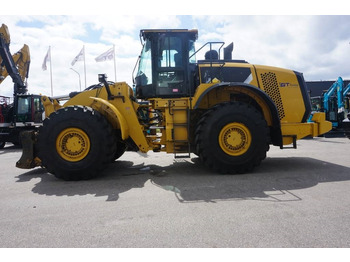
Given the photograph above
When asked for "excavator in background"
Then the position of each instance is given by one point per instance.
(25, 110)
(334, 102)
(227, 112)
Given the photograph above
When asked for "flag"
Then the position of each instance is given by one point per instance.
(79, 57)
(108, 55)
(46, 59)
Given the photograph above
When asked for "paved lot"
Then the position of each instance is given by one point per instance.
(296, 198)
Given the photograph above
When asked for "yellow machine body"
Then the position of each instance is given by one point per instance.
(172, 135)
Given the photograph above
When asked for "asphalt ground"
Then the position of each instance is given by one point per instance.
(295, 198)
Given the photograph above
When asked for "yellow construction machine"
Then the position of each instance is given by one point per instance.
(228, 112)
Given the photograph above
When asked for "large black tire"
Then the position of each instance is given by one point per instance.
(121, 146)
(76, 143)
(232, 138)
(2, 145)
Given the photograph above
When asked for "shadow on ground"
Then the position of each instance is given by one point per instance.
(10, 149)
(189, 181)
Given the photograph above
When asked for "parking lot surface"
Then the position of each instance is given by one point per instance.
(295, 198)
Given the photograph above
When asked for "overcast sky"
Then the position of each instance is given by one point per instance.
(316, 45)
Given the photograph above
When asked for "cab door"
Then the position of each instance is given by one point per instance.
(170, 65)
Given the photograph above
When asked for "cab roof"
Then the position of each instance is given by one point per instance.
(145, 33)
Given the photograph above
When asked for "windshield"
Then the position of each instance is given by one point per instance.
(23, 105)
(144, 73)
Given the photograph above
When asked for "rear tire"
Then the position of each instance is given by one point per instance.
(232, 138)
(76, 143)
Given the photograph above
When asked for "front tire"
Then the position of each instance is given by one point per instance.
(120, 150)
(232, 138)
(76, 143)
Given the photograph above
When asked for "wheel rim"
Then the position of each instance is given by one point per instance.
(235, 139)
(73, 144)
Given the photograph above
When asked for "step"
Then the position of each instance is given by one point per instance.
(186, 155)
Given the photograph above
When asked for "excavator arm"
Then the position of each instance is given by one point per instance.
(17, 66)
(22, 61)
(346, 90)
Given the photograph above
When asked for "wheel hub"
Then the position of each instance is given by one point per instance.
(73, 144)
(235, 139)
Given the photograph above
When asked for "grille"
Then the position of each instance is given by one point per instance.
(270, 84)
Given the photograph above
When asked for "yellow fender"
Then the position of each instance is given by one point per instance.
(113, 115)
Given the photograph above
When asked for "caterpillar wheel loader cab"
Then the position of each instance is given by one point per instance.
(228, 112)
(164, 69)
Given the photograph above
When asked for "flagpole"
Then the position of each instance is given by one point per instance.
(115, 68)
(84, 65)
(51, 70)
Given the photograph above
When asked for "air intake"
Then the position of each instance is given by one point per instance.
(270, 84)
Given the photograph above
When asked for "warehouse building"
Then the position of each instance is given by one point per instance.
(316, 88)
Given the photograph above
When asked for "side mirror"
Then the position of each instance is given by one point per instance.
(102, 78)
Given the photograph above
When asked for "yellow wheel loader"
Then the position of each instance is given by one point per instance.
(228, 112)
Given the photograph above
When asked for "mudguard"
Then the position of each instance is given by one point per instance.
(114, 115)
